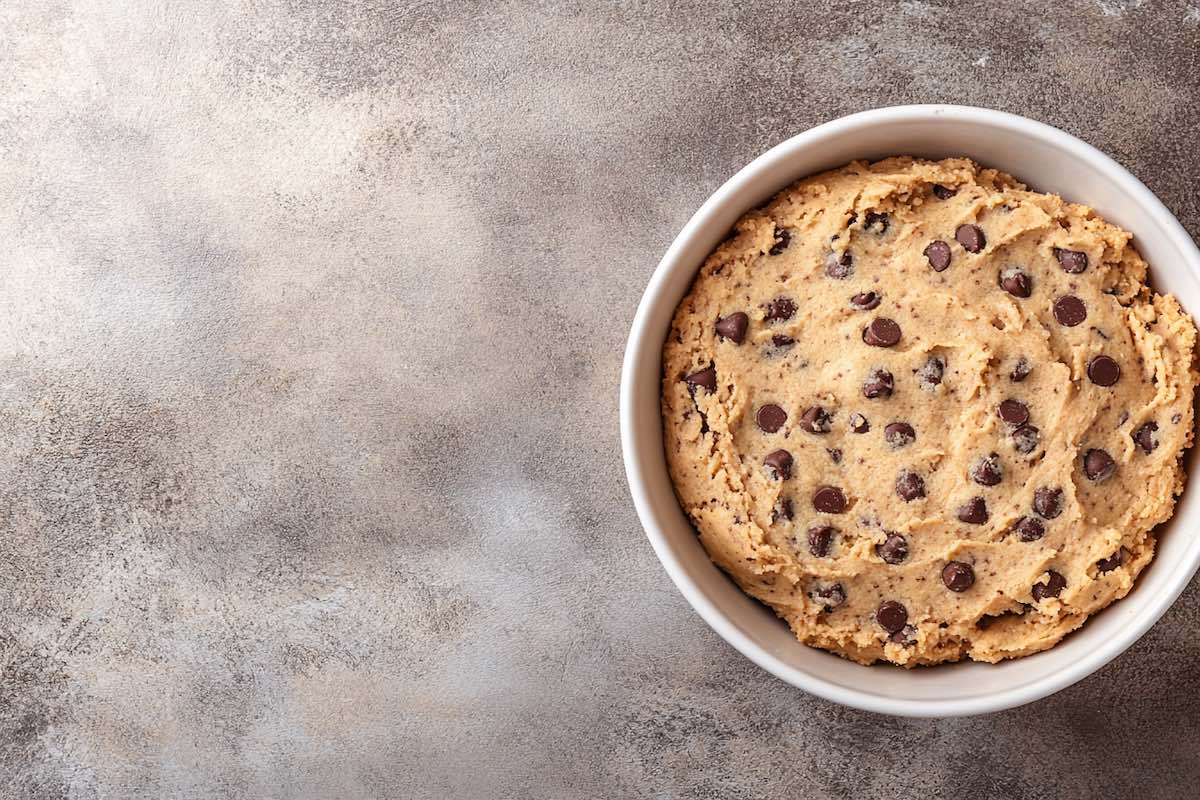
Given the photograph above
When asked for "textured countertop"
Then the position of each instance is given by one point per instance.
(311, 318)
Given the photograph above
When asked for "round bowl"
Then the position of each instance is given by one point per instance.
(1046, 159)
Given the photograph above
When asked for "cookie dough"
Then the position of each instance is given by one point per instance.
(925, 413)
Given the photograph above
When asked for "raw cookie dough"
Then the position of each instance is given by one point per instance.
(925, 413)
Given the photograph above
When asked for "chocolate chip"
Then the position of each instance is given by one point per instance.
(864, 301)
(906, 636)
(971, 238)
(1112, 562)
(830, 597)
(1029, 529)
(938, 254)
(734, 327)
(898, 434)
(1025, 439)
(779, 464)
(835, 455)
(1103, 371)
(1098, 464)
(930, 373)
(779, 340)
(909, 486)
(943, 193)
(1016, 282)
(770, 418)
(815, 420)
(782, 239)
(782, 509)
(1052, 587)
(958, 576)
(1072, 261)
(973, 512)
(879, 383)
(893, 549)
(1020, 370)
(1014, 412)
(705, 379)
(1144, 437)
(1048, 502)
(859, 423)
(779, 309)
(839, 267)
(882, 332)
(891, 616)
(829, 500)
(987, 471)
(1069, 310)
(819, 540)
(877, 222)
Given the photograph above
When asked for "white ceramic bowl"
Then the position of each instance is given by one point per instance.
(1048, 160)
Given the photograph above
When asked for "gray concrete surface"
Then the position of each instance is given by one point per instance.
(311, 315)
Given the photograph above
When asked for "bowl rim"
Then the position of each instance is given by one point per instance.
(714, 615)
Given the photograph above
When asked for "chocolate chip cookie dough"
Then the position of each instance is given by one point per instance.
(927, 414)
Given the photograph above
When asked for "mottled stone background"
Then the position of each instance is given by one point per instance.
(311, 316)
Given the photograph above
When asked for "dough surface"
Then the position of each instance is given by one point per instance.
(919, 452)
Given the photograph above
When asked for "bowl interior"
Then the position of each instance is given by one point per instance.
(1045, 159)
